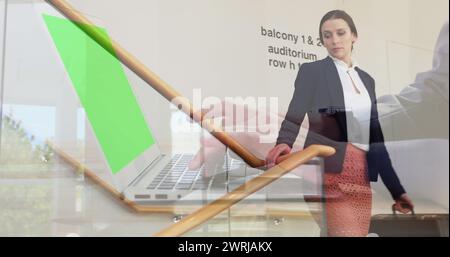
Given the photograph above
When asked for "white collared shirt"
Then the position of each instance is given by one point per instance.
(357, 105)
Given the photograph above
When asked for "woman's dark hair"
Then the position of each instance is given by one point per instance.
(337, 14)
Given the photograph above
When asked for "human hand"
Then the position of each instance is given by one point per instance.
(274, 153)
(212, 152)
(247, 129)
(403, 204)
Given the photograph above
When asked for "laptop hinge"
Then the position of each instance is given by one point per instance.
(145, 170)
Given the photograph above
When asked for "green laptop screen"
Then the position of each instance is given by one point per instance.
(104, 92)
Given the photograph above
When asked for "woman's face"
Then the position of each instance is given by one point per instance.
(338, 39)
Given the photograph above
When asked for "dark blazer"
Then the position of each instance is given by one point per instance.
(318, 93)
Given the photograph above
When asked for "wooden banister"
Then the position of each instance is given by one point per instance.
(86, 171)
(210, 210)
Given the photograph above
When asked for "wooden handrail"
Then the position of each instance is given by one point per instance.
(154, 81)
(86, 171)
(210, 210)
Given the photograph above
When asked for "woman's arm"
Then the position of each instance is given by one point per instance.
(299, 105)
(380, 157)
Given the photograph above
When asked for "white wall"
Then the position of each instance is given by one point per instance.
(215, 45)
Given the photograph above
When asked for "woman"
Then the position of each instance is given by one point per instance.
(339, 99)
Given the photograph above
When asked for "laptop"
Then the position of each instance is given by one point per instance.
(130, 159)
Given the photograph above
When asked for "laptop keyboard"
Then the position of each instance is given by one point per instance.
(176, 175)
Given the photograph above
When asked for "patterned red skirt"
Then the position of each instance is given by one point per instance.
(348, 202)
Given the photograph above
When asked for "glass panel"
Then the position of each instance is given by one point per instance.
(80, 131)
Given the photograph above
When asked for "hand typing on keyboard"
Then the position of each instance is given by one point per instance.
(211, 155)
(252, 134)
